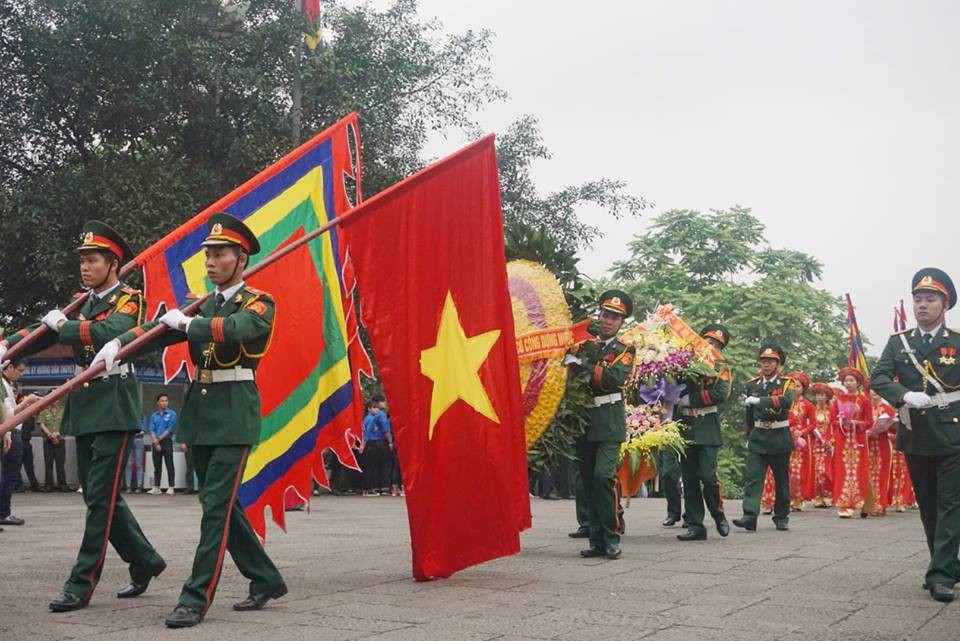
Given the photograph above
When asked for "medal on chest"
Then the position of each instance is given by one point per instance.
(948, 355)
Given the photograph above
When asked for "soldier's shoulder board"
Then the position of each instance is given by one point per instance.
(79, 295)
(192, 296)
(130, 291)
(755, 379)
(903, 331)
(254, 291)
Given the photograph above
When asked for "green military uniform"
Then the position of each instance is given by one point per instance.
(220, 421)
(930, 435)
(700, 424)
(102, 415)
(769, 443)
(609, 363)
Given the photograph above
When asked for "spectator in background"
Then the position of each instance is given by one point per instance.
(27, 459)
(375, 450)
(162, 424)
(54, 449)
(396, 481)
(136, 461)
(12, 441)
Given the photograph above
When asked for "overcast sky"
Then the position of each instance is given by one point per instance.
(837, 123)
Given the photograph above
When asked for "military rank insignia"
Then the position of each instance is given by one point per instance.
(627, 358)
(238, 299)
(129, 308)
(948, 355)
(258, 308)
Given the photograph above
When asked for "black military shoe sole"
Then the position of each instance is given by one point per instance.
(582, 533)
(183, 617)
(67, 602)
(613, 551)
(670, 521)
(750, 526)
(782, 526)
(692, 536)
(593, 552)
(257, 601)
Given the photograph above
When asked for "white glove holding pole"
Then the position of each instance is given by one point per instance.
(107, 354)
(175, 319)
(53, 318)
(917, 400)
(752, 400)
(3, 352)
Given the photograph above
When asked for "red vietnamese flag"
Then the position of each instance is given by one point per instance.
(432, 277)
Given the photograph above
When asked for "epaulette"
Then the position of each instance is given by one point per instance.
(754, 379)
(191, 296)
(955, 331)
(254, 291)
(79, 295)
(902, 331)
(130, 290)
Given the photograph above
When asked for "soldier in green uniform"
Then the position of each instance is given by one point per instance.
(609, 363)
(220, 419)
(103, 415)
(769, 443)
(700, 424)
(919, 373)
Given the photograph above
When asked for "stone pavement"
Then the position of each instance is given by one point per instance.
(348, 568)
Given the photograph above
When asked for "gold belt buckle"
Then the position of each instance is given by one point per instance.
(206, 376)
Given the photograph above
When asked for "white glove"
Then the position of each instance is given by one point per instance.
(107, 354)
(752, 400)
(917, 400)
(3, 352)
(174, 318)
(53, 318)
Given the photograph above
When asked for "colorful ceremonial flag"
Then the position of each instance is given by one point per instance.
(309, 396)
(429, 257)
(311, 8)
(857, 358)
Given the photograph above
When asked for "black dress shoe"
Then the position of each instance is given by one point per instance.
(134, 588)
(723, 526)
(593, 552)
(750, 526)
(257, 601)
(942, 593)
(613, 551)
(183, 617)
(670, 521)
(782, 526)
(67, 602)
(581, 533)
(11, 520)
(690, 535)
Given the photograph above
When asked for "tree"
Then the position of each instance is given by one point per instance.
(143, 112)
(718, 267)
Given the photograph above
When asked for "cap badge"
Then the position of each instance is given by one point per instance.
(88, 237)
(217, 229)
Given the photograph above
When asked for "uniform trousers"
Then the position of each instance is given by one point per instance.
(224, 527)
(598, 465)
(936, 482)
(754, 473)
(100, 462)
(700, 485)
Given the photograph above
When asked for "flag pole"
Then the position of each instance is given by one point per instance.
(348, 216)
(183, 229)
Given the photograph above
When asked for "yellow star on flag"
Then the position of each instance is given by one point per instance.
(453, 365)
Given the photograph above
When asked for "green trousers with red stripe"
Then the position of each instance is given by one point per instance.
(224, 527)
(598, 466)
(100, 461)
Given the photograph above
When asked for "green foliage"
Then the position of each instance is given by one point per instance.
(717, 267)
(142, 112)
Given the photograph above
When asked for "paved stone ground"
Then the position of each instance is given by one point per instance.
(348, 567)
